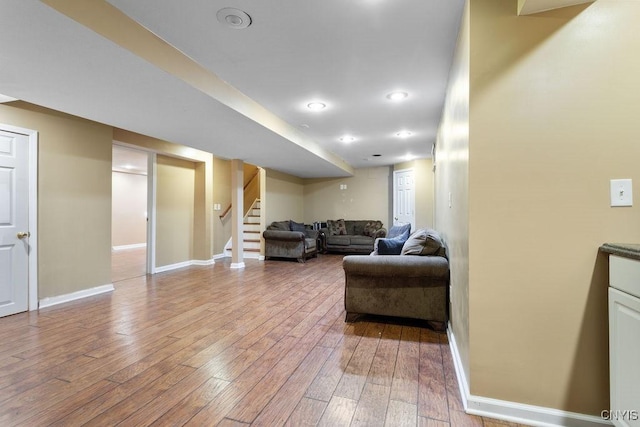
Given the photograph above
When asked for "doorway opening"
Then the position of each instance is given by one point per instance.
(129, 213)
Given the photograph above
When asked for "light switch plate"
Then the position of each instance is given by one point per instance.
(621, 192)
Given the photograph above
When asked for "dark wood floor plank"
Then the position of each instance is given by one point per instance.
(357, 370)
(284, 402)
(384, 361)
(329, 376)
(339, 412)
(401, 414)
(432, 386)
(307, 413)
(404, 386)
(171, 399)
(254, 402)
(372, 406)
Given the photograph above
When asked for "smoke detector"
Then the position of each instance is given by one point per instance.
(234, 18)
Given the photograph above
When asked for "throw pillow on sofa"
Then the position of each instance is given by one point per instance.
(280, 225)
(391, 246)
(422, 242)
(399, 230)
(336, 227)
(297, 226)
(371, 228)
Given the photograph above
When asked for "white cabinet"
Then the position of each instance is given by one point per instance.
(624, 340)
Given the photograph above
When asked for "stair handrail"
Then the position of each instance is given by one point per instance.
(228, 209)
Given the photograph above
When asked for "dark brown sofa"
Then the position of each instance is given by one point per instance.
(413, 285)
(289, 239)
(351, 236)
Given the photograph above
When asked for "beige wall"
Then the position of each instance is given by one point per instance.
(452, 178)
(175, 210)
(367, 197)
(284, 197)
(423, 176)
(554, 107)
(128, 209)
(74, 198)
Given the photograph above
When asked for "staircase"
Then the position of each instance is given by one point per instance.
(251, 234)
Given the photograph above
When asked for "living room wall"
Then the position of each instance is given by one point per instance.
(74, 198)
(367, 196)
(553, 118)
(452, 190)
(284, 197)
(175, 200)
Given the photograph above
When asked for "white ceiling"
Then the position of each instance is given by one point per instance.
(348, 54)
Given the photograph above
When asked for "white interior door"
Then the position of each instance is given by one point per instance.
(404, 198)
(14, 223)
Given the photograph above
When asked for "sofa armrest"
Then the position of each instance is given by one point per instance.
(311, 234)
(396, 266)
(283, 235)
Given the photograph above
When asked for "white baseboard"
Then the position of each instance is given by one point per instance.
(235, 265)
(60, 299)
(219, 256)
(513, 411)
(203, 262)
(125, 247)
(183, 264)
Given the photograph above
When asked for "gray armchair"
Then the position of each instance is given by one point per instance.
(288, 239)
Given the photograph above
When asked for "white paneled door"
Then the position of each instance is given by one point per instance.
(404, 198)
(14, 223)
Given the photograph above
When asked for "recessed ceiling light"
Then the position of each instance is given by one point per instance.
(404, 134)
(316, 106)
(347, 138)
(397, 96)
(234, 18)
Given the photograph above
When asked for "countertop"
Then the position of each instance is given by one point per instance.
(626, 250)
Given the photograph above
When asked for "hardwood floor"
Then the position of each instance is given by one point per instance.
(202, 346)
(128, 263)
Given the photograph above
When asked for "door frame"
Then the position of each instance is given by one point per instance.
(395, 173)
(150, 260)
(32, 136)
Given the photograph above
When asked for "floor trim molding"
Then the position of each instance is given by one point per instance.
(85, 293)
(513, 411)
(183, 264)
(125, 247)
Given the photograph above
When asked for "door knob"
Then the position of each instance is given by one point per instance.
(23, 234)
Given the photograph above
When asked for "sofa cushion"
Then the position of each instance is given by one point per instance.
(339, 240)
(297, 226)
(361, 240)
(422, 242)
(280, 225)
